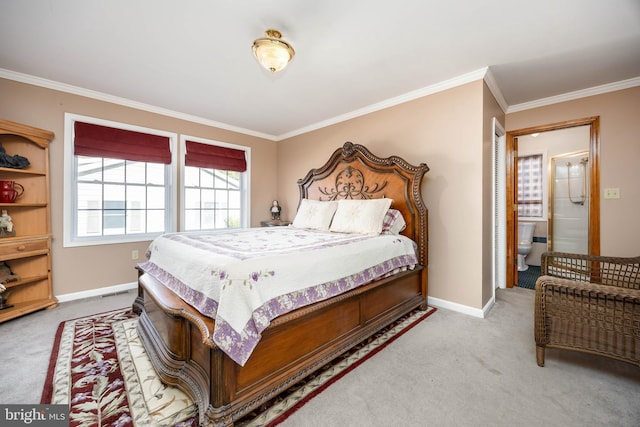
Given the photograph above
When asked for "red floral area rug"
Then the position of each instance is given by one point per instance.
(100, 369)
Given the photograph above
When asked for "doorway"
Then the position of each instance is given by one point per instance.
(593, 199)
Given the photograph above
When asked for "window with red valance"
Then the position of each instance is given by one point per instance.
(121, 186)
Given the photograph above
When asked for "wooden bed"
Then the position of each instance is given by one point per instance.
(178, 338)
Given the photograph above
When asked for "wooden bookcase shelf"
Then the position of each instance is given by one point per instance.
(28, 251)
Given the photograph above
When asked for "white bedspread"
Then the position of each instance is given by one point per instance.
(244, 278)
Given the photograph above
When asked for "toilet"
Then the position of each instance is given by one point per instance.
(525, 243)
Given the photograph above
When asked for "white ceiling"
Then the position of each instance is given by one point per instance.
(193, 57)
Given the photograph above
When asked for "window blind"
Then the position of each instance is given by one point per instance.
(215, 157)
(103, 141)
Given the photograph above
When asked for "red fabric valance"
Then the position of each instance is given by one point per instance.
(103, 141)
(214, 157)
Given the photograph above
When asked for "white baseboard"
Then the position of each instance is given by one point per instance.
(108, 290)
(460, 308)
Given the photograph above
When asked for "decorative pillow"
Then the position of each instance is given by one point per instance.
(393, 222)
(360, 216)
(314, 214)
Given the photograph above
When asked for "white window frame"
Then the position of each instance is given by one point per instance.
(69, 199)
(245, 208)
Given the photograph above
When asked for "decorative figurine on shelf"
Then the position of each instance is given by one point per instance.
(275, 210)
(6, 225)
(16, 161)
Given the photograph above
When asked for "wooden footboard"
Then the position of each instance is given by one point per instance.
(179, 344)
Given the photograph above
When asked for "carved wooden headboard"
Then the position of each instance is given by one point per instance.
(352, 172)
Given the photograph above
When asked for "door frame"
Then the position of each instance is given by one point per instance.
(512, 187)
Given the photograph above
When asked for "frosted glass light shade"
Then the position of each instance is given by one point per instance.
(271, 52)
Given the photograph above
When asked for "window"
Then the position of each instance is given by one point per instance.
(215, 179)
(119, 197)
(119, 188)
(530, 186)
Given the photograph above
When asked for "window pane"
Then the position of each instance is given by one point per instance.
(192, 219)
(221, 219)
(89, 196)
(208, 219)
(155, 221)
(114, 197)
(136, 221)
(206, 178)
(114, 170)
(155, 197)
(234, 180)
(114, 222)
(89, 223)
(191, 176)
(234, 218)
(208, 199)
(155, 173)
(221, 199)
(192, 198)
(234, 200)
(112, 209)
(136, 172)
(220, 179)
(89, 169)
(136, 197)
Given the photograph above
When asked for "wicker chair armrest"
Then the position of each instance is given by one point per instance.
(546, 284)
(611, 271)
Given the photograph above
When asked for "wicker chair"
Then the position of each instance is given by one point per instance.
(589, 304)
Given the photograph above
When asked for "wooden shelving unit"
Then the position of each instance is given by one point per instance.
(28, 253)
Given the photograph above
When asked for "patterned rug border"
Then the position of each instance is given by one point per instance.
(291, 400)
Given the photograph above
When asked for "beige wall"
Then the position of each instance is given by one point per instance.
(446, 131)
(91, 267)
(619, 155)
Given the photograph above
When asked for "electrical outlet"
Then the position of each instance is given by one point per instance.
(134, 254)
(611, 193)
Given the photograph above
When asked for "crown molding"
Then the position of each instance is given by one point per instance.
(62, 87)
(495, 90)
(482, 73)
(570, 96)
(391, 102)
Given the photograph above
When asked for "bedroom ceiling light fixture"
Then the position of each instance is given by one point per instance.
(272, 52)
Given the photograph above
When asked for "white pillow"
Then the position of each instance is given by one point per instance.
(360, 216)
(314, 214)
